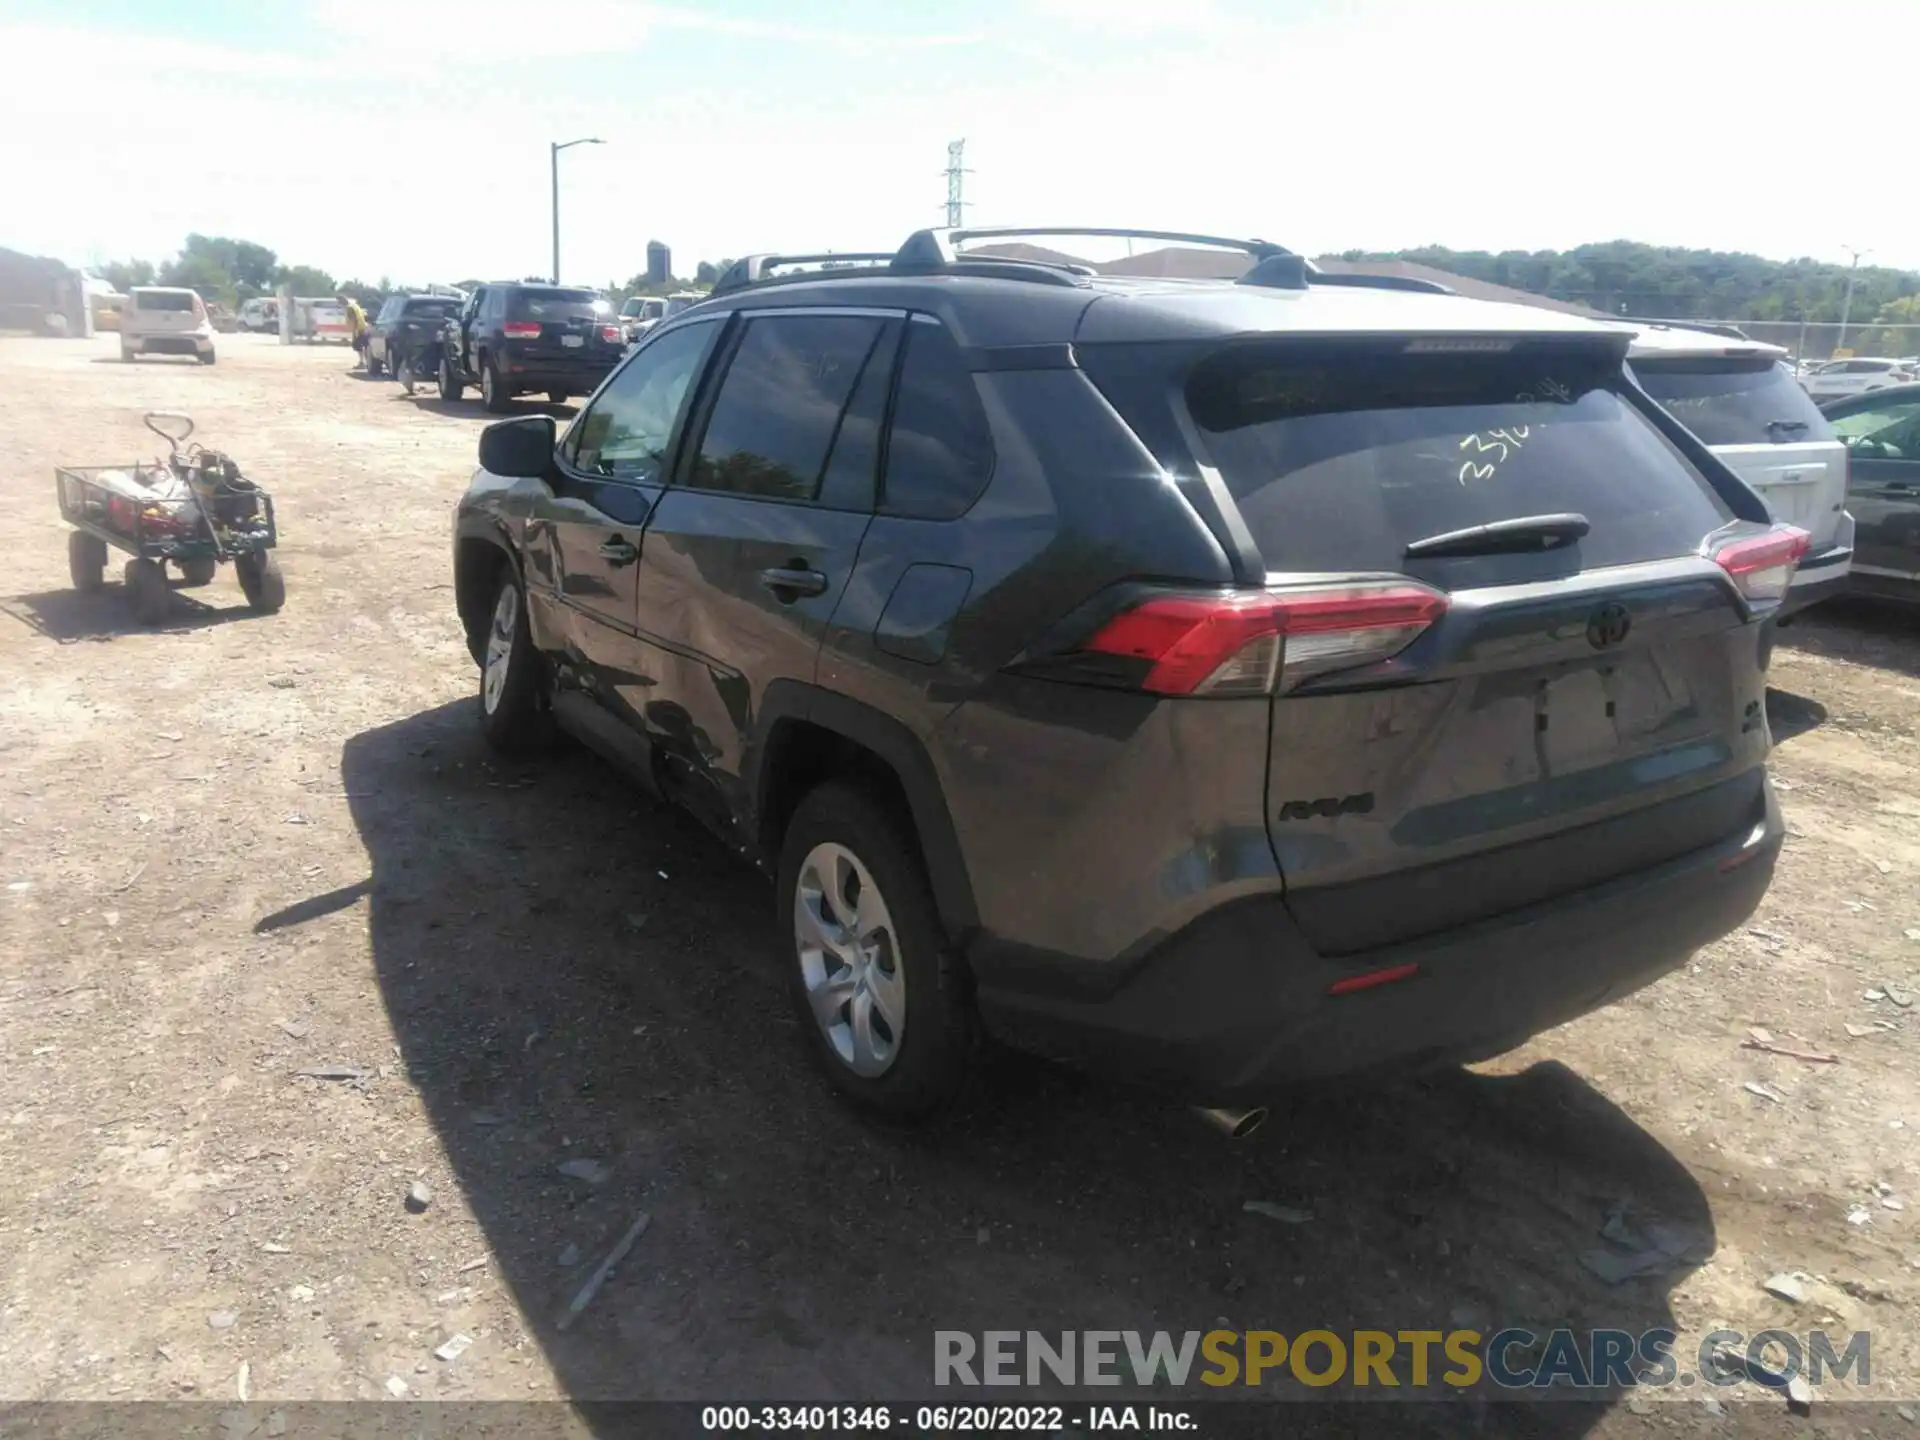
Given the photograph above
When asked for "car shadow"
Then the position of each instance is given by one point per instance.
(1861, 630)
(574, 973)
(429, 400)
(68, 616)
(192, 360)
(1789, 714)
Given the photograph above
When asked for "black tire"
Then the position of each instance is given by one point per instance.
(937, 1050)
(127, 357)
(146, 584)
(375, 368)
(207, 358)
(200, 570)
(493, 390)
(403, 374)
(86, 561)
(261, 581)
(513, 703)
(557, 397)
(450, 387)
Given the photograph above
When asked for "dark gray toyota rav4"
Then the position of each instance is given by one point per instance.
(1212, 684)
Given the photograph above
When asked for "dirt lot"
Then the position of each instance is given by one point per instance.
(237, 848)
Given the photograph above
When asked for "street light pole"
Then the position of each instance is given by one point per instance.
(1846, 305)
(554, 148)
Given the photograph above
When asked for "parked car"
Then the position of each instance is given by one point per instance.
(641, 313)
(518, 339)
(165, 320)
(260, 315)
(409, 325)
(1740, 399)
(1215, 686)
(1839, 378)
(1882, 434)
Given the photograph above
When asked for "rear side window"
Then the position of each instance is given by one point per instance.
(778, 413)
(940, 451)
(163, 300)
(1729, 401)
(548, 304)
(1341, 458)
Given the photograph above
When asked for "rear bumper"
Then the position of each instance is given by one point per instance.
(168, 344)
(1236, 1007)
(575, 378)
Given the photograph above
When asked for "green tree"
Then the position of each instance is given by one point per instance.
(200, 272)
(124, 275)
(306, 280)
(1626, 277)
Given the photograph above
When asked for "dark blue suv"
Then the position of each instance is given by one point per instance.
(1214, 684)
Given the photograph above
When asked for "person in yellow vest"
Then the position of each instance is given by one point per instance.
(357, 319)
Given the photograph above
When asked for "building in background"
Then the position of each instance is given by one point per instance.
(659, 263)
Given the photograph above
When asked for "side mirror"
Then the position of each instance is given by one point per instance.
(518, 449)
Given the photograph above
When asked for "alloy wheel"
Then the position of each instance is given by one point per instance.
(849, 959)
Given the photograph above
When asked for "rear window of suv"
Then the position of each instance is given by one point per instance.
(430, 309)
(547, 305)
(1342, 456)
(1732, 400)
(163, 300)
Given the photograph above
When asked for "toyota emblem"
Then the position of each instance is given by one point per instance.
(1608, 626)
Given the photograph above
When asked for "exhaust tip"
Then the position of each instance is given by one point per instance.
(1232, 1123)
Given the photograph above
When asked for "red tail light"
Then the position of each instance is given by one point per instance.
(522, 329)
(612, 334)
(1762, 565)
(1266, 640)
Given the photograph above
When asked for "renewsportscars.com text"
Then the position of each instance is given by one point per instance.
(1513, 1359)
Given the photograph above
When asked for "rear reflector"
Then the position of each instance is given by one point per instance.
(522, 330)
(1762, 565)
(1252, 643)
(1372, 978)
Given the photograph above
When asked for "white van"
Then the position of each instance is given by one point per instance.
(165, 320)
(1743, 403)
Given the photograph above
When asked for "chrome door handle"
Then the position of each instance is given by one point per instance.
(618, 552)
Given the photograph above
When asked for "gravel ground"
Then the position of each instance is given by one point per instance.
(237, 848)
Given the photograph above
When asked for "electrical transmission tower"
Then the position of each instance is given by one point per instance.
(956, 180)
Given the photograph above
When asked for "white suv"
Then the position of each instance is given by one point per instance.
(1839, 378)
(1744, 405)
(164, 320)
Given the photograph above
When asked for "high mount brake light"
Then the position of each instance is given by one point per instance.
(1257, 642)
(1762, 565)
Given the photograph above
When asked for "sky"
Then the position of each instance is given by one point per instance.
(409, 138)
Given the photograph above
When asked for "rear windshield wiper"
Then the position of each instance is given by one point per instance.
(1525, 534)
(1773, 425)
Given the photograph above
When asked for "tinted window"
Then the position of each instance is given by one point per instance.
(1733, 402)
(162, 300)
(430, 309)
(548, 304)
(1886, 432)
(389, 311)
(940, 450)
(1340, 461)
(625, 432)
(779, 408)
